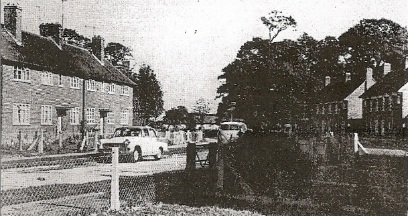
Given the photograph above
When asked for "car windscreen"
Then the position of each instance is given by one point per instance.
(122, 132)
(230, 127)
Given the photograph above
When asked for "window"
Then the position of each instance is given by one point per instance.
(322, 108)
(382, 104)
(124, 90)
(21, 74)
(111, 89)
(399, 98)
(329, 108)
(110, 118)
(90, 116)
(46, 78)
(124, 119)
(74, 116)
(21, 114)
(90, 85)
(60, 83)
(336, 108)
(74, 82)
(344, 104)
(317, 109)
(102, 86)
(376, 105)
(46, 115)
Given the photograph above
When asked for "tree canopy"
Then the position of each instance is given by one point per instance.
(148, 96)
(201, 108)
(276, 23)
(117, 52)
(273, 83)
(178, 116)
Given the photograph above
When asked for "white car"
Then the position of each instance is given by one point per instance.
(135, 142)
(230, 131)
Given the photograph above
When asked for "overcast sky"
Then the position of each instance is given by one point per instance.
(188, 42)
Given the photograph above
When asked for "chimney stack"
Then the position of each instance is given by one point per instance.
(12, 20)
(326, 80)
(369, 78)
(53, 30)
(387, 68)
(98, 47)
(348, 76)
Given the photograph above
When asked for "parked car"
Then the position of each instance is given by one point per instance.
(135, 142)
(231, 131)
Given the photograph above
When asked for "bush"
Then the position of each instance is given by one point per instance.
(270, 162)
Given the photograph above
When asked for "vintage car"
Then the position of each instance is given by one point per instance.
(134, 142)
(230, 131)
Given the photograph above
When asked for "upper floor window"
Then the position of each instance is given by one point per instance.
(60, 83)
(376, 105)
(323, 108)
(90, 85)
(371, 105)
(317, 109)
(124, 90)
(46, 115)
(21, 74)
(344, 104)
(111, 88)
(46, 78)
(74, 82)
(102, 86)
(399, 99)
(21, 114)
(74, 116)
(382, 102)
(124, 118)
(90, 116)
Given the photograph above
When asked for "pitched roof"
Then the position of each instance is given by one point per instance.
(43, 53)
(338, 91)
(390, 83)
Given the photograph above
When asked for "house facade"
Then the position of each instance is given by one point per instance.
(57, 89)
(338, 106)
(385, 105)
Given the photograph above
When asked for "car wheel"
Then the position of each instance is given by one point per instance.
(158, 156)
(137, 155)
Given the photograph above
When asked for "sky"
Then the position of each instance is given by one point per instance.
(188, 42)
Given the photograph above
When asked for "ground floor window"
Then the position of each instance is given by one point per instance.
(21, 114)
(90, 116)
(110, 118)
(124, 118)
(74, 116)
(46, 115)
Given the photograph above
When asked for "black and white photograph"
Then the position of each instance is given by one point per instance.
(204, 107)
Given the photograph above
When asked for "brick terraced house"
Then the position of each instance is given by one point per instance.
(52, 87)
(338, 106)
(385, 105)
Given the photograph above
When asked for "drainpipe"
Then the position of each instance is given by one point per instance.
(83, 109)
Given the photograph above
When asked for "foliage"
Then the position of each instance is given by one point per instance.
(274, 83)
(179, 115)
(202, 107)
(117, 52)
(276, 23)
(148, 96)
(374, 41)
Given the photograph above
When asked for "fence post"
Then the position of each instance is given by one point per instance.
(212, 154)
(355, 142)
(41, 143)
(115, 203)
(191, 155)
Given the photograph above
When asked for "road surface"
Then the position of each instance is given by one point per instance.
(61, 174)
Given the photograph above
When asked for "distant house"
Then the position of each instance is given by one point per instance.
(52, 87)
(338, 106)
(385, 105)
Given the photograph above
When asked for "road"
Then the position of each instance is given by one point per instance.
(63, 174)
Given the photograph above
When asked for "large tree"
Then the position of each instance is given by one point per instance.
(117, 52)
(178, 116)
(373, 41)
(276, 23)
(201, 108)
(148, 96)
